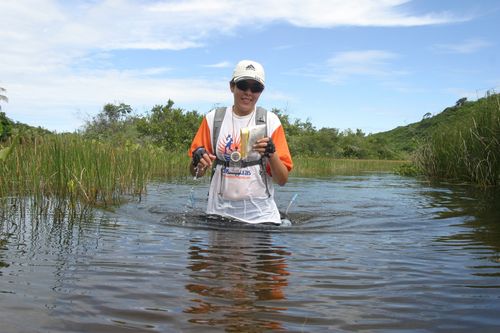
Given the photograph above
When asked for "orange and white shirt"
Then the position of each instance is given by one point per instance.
(240, 193)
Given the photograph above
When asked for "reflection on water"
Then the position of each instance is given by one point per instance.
(365, 253)
(235, 279)
(482, 211)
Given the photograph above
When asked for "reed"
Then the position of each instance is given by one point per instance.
(66, 175)
(76, 171)
(468, 150)
(325, 166)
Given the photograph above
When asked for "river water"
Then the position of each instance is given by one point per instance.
(365, 253)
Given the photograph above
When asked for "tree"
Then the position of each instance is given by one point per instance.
(353, 144)
(5, 123)
(169, 127)
(114, 113)
(3, 98)
(5, 127)
(111, 123)
(427, 116)
(461, 102)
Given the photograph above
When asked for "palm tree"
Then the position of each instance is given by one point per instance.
(3, 98)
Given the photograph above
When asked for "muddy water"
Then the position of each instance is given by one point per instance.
(375, 252)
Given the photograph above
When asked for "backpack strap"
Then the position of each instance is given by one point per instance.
(261, 116)
(220, 112)
(219, 117)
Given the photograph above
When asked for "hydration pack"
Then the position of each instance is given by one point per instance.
(260, 118)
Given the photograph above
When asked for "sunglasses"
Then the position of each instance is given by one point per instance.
(255, 87)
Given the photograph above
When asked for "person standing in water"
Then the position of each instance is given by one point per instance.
(241, 188)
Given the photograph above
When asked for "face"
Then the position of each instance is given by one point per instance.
(244, 100)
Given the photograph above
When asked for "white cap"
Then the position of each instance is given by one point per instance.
(249, 70)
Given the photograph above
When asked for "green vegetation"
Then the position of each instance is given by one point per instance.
(117, 153)
(73, 171)
(5, 123)
(465, 147)
(459, 144)
(169, 127)
(173, 128)
(408, 169)
(305, 140)
(405, 140)
(3, 98)
(327, 166)
(5, 127)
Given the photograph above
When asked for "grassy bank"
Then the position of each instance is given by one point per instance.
(71, 168)
(69, 174)
(467, 149)
(324, 166)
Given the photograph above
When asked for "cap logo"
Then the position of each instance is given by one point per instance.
(250, 67)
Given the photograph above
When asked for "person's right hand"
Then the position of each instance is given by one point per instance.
(202, 159)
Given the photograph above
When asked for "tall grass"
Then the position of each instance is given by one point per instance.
(78, 171)
(325, 166)
(67, 175)
(466, 151)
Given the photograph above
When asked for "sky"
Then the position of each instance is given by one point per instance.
(347, 64)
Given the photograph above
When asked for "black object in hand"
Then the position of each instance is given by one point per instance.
(198, 155)
(270, 148)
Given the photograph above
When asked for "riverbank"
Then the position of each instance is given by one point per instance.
(75, 171)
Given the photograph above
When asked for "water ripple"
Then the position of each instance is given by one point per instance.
(364, 253)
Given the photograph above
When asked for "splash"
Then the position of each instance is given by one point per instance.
(291, 202)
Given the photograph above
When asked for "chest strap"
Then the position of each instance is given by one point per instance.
(240, 164)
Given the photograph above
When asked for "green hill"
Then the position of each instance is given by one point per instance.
(8, 127)
(405, 139)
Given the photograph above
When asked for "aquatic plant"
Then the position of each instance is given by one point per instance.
(66, 174)
(5, 152)
(325, 166)
(465, 150)
(408, 169)
(71, 169)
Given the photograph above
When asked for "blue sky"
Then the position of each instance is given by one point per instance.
(367, 64)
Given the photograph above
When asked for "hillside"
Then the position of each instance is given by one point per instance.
(8, 127)
(405, 139)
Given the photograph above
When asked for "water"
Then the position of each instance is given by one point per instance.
(371, 253)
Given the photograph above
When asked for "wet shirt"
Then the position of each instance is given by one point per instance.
(235, 191)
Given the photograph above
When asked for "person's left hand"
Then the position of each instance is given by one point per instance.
(265, 147)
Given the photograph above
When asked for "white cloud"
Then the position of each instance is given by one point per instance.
(314, 13)
(222, 64)
(118, 24)
(47, 45)
(42, 102)
(368, 63)
(35, 39)
(467, 46)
